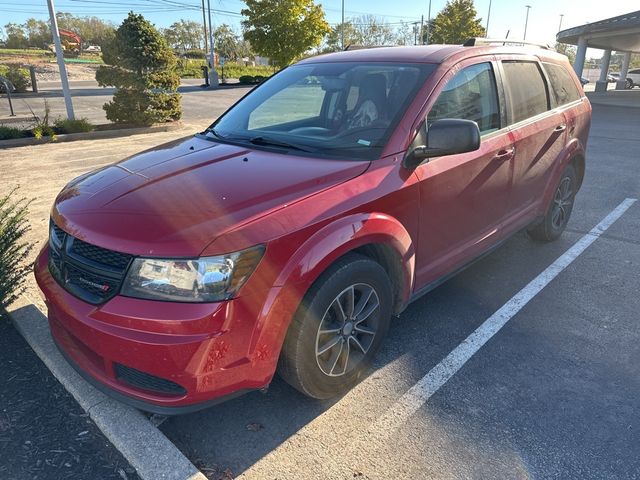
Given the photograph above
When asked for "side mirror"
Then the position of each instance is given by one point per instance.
(445, 137)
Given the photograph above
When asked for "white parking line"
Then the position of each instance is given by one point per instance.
(417, 395)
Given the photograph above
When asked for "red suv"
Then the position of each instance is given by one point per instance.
(286, 235)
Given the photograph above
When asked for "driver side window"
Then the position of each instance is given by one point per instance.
(470, 95)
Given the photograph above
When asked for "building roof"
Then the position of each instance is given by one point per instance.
(621, 33)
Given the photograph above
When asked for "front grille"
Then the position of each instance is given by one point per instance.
(146, 381)
(91, 273)
(108, 258)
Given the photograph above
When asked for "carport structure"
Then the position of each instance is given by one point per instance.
(621, 34)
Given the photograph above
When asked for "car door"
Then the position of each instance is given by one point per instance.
(463, 196)
(539, 135)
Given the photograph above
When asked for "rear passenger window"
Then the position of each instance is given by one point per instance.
(470, 95)
(562, 85)
(525, 90)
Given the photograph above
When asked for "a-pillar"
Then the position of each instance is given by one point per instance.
(581, 53)
(621, 84)
(601, 84)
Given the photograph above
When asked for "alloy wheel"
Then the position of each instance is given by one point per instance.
(562, 203)
(347, 330)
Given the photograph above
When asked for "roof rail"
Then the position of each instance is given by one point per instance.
(504, 41)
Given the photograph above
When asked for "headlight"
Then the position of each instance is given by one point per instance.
(206, 279)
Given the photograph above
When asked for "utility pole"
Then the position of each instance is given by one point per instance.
(213, 75)
(428, 36)
(422, 30)
(486, 30)
(342, 26)
(204, 24)
(560, 26)
(60, 57)
(526, 22)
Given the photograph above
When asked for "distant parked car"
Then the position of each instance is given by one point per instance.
(634, 77)
(93, 49)
(584, 81)
(614, 77)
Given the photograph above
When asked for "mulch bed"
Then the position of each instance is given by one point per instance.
(44, 434)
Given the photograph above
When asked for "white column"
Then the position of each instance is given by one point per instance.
(604, 65)
(602, 84)
(620, 84)
(581, 53)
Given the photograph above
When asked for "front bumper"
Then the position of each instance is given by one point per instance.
(183, 356)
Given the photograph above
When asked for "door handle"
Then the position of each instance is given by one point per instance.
(560, 128)
(504, 154)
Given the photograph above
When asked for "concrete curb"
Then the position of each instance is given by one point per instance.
(140, 442)
(101, 134)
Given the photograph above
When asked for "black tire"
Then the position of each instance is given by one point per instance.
(302, 363)
(628, 84)
(555, 221)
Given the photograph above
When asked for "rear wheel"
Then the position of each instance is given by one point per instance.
(556, 219)
(338, 328)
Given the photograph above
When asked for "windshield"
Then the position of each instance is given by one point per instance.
(328, 109)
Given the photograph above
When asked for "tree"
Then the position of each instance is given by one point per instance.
(456, 23)
(15, 36)
(227, 42)
(568, 50)
(185, 35)
(283, 30)
(372, 31)
(92, 30)
(140, 64)
(333, 41)
(38, 32)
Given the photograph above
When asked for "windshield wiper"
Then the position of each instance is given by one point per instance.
(267, 141)
(213, 132)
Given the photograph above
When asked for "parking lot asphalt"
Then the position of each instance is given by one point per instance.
(554, 394)
(88, 98)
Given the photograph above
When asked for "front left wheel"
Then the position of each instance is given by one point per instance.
(338, 328)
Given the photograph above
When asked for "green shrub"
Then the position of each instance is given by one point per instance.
(17, 75)
(13, 248)
(140, 64)
(73, 126)
(247, 79)
(7, 133)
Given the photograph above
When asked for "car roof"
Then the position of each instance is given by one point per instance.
(430, 53)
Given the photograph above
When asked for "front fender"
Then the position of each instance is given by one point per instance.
(315, 255)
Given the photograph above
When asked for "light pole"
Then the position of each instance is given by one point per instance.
(428, 36)
(342, 26)
(560, 26)
(213, 75)
(486, 30)
(526, 22)
(60, 57)
(204, 24)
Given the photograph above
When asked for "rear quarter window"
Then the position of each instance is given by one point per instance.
(526, 91)
(563, 87)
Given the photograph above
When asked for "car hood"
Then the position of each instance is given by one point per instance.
(177, 198)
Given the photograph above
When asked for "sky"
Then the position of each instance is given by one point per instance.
(506, 15)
